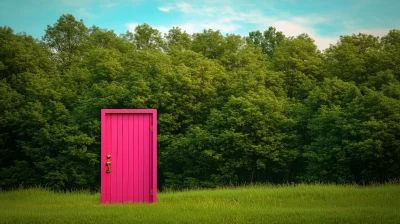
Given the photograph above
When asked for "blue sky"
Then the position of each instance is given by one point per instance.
(323, 20)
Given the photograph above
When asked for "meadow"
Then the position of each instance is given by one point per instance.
(252, 204)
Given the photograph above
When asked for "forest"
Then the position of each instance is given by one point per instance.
(262, 108)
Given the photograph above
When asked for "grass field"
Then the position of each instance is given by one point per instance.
(256, 204)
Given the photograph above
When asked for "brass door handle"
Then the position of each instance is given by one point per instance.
(108, 164)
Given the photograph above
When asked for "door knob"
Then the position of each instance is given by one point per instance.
(108, 164)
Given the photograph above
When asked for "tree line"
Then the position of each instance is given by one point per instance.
(231, 109)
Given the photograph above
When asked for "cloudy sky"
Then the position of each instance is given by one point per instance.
(323, 20)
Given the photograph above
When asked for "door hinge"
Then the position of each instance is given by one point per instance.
(151, 192)
(151, 128)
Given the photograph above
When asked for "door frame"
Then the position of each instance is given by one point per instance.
(153, 159)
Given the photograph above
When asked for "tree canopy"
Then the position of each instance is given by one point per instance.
(232, 109)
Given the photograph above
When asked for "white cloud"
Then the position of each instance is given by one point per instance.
(193, 27)
(162, 29)
(323, 42)
(206, 17)
(217, 16)
(132, 26)
(185, 7)
(352, 27)
(200, 18)
(376, 32)
(190, 27)
(290, 28)
(164, 9)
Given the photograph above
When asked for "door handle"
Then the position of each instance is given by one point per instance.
(108, 164)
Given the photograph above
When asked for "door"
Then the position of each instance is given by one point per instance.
(128, 155)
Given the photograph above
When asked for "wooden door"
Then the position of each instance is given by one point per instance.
(128, 155)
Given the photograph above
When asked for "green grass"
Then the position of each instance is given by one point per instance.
(256, 204)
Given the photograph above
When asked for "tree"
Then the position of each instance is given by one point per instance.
(66, 39)
(145, 37)
(300, 61)
(176, 40)
(391, 46)
(354, 58)
(21, 53)
(267, 41)
(209, 43)
(353, 134)
(231, 109)
(106, 39)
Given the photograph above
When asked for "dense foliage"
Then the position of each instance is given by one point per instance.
(232, 109)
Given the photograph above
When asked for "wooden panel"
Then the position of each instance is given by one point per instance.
(153, 158)
(125, 156)
(130, 158)
(135, 158)
(140, 158)
(119, 171)
(105, 147)
(146, 158)
(113, 153)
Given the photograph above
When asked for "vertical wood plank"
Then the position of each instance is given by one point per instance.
(136, 158)
(151, 157)
(119, 171)
(130, 158)
(125, 157)
(113, 160)
(108, 152)
(141, 172)
(154, 155)
(146, 157)
(104, 140)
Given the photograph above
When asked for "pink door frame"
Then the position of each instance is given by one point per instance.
(135, 134)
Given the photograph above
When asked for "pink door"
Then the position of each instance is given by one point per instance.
(128, 155)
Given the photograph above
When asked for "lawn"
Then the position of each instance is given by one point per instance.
(254, 204)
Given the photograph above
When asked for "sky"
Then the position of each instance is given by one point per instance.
(323, 20)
